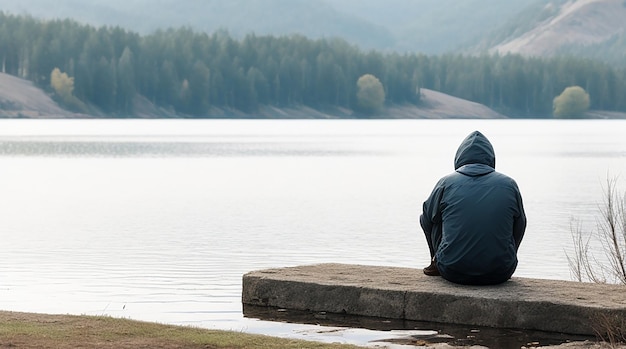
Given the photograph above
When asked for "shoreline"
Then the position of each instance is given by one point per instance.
(21, 99)
(38, 330)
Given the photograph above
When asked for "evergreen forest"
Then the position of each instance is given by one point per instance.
(190, 72)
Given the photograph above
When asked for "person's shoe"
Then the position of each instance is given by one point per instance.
(432, 270)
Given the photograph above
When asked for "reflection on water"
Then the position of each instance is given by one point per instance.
(159, 219)
(411, 332)
(158, 148)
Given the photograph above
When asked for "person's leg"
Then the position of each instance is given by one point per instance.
(433, 238)
(432, 269)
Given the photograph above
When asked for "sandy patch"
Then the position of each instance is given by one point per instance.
(20, 98)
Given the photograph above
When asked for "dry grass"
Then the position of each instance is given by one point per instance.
(584, 266)
(610, 329)
(21, 330)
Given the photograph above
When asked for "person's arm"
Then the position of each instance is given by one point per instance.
(430, 220)
(431, 213)
(519, 223)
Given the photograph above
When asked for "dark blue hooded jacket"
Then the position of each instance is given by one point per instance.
(475, 217)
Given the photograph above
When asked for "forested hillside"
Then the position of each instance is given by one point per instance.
(190, 72)
(612, 51)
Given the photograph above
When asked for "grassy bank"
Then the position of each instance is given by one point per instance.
(24, 330)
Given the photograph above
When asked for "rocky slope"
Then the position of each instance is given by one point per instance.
(580, 22)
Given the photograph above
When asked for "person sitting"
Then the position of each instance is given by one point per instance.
(474, 219)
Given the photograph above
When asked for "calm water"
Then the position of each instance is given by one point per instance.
(159, 219)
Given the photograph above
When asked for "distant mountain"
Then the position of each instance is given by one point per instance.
(592, 28)
(428, 26)
(588, 28)
(314, 19)
(435, 26)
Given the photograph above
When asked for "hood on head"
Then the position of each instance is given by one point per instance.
(475, 149)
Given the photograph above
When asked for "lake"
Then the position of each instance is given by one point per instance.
(159, 219)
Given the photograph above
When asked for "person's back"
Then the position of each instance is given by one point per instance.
(474, 219)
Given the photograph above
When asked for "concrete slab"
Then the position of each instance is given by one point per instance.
(405, 293)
